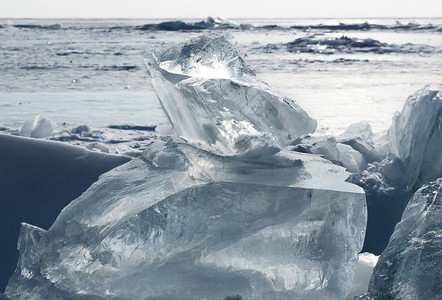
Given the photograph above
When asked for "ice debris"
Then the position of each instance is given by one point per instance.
(341, 153)
(389, 167)
(183, 223)
(386, 200)
(39, 127)
(416, 136)
(411, 265)
(214, 101)
(96, 146)
(409, 156)
(80, 129)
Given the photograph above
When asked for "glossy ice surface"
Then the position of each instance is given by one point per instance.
(215, 102)
(410, 266)
(416, 136)
(182, 223)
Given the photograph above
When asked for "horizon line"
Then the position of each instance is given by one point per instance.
(234, 18)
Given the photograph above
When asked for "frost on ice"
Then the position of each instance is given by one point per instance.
(215, 102)
(183, 222)
(411, 265)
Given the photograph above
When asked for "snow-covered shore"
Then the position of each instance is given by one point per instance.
(38, 179)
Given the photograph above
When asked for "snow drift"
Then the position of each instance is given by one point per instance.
(39, 178)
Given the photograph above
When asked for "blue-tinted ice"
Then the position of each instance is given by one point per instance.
(410, 266)
(235, 215)
(215, 102)
(182, 223)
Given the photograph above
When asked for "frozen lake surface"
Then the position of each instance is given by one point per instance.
(92, 71)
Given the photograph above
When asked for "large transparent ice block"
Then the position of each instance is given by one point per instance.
(182, 223)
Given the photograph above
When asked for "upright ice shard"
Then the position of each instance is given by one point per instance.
(215, 102)
(416, 136)
(411, 265)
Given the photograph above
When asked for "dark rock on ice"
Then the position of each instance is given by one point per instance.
(35, 26)
(133, 127)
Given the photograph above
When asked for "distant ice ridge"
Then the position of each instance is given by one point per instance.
(344, 44)
(215, 102)
(235, 215)
(411, 265)
(209, 23)
(215, 23)
(182, 223)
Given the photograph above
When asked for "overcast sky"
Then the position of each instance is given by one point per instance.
(226, 8)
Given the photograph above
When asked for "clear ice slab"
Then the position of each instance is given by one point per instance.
(415, 136)
(411, 265)
(183, 223)
(215, 102)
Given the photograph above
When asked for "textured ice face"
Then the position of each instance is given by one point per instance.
(215, 102)
(206, 57)
(416, 136)
(410, 266)
(183, 223)
(337, 152)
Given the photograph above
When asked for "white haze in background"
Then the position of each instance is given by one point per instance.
(227, 8)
